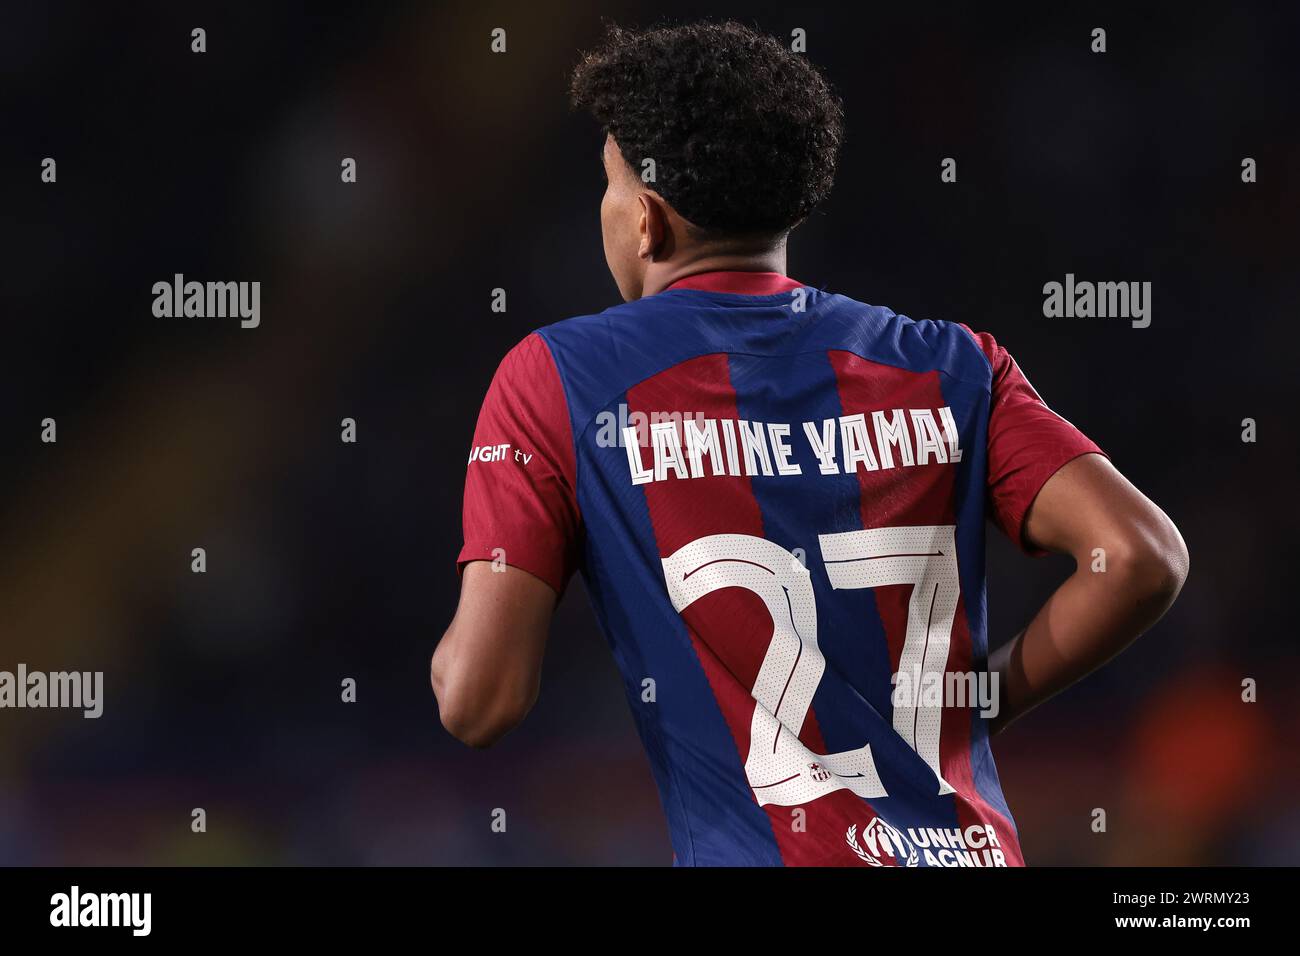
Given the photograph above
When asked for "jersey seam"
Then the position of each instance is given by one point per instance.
(970, 338)
(573, 437)
(765, 297)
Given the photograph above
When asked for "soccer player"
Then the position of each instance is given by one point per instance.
(777, 497)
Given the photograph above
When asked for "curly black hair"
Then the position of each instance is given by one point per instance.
(743, 132)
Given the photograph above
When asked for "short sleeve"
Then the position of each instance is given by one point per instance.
(1027, 443)
(520, 501)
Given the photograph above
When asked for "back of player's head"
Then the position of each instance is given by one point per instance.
(744, 133)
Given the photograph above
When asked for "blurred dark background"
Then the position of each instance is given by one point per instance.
(328, 560)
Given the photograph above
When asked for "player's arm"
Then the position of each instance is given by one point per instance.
(487, 669)
(1085, 506)
(522, 528)
(1050, 488)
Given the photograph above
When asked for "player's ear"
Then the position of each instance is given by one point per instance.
(653, 226)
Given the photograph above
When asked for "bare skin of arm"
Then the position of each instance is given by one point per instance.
(1093, 615)
(487, 669)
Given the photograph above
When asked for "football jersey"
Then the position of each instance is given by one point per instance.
(776, 497)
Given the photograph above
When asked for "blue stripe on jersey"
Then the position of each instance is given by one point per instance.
(713, 818)
(849, 631)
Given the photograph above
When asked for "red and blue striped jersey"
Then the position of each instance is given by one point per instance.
(777, 498)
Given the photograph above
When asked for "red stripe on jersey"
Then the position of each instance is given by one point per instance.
(731, 628)
(917, 495)
(903, 495)
(738, 283)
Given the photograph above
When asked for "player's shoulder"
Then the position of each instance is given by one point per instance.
(546, 345)
(578, 359)
(881, 334)
(595, 328)
(644, 334)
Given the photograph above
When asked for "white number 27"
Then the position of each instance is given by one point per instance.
(781, 770)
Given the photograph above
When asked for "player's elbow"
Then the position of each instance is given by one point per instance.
(478, 726)
(472, 727)
(1151, 558)
(474, 714)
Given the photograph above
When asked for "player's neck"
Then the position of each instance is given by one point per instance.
(660, 275)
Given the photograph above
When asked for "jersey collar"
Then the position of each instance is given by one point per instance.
(738, 283)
